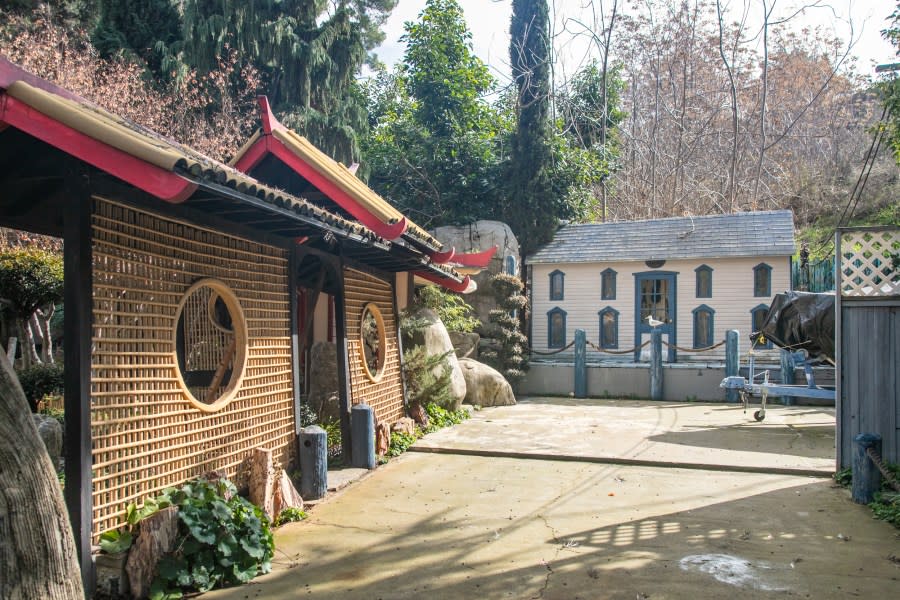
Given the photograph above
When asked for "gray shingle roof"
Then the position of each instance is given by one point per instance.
(765, 233)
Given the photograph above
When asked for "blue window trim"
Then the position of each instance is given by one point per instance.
(550, 314)
(698, 270)
(510, 266)
(562, 284)
(768, 290)
(612, 276)
(764, 308)
(604, 343)
(710, 330)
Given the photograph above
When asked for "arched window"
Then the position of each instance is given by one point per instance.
(762, 281)
(609, 328)
(556, 328)
(757, 316)
(557, 284)
(510, 266)
(608, 285)
(704, 281)
(704, 328)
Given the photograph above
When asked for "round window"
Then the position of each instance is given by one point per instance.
(372, 341)
(210, 344)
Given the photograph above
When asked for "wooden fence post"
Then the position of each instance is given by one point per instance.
(732, 366)
(580, 364)
(866, 476)
(656, 372)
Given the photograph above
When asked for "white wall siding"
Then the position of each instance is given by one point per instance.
(732, 298)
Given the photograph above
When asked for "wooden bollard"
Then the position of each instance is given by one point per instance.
(313, 462)
(362, 437)
(732, 366)
(580, 364)
(656, 371)
(866, 476)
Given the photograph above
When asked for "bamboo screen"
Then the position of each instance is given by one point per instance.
(146, 434)
(386, 395)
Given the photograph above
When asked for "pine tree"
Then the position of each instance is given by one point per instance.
(511, 358)
(309, 52)
(137, 27)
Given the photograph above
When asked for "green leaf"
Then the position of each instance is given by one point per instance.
(115, 541)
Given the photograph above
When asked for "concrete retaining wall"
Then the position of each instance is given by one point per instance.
(681, 381)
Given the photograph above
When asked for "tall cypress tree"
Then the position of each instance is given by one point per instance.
(533, 208)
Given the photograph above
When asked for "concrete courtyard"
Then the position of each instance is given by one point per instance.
(505, 519)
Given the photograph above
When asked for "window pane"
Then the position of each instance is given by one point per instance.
(758, 318)
(609, 331)
(704, 283)
(655, 299)
(556, 286)
(557, 330)
(702, 327)
(761, 281)
(608, 286)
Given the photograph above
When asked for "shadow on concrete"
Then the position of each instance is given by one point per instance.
(631, 559)
(809, 441)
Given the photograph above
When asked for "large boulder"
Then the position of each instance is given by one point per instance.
(485, 386)
(323, 381)
(465, 344)
(434, 337)
(477, 237)
(51, 433)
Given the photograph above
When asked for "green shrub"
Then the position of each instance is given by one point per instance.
(400, 442)
(423, 385)
(290, 515)
(511, 359)
(439, 417)
(223, 540)
(41, 380)
(454, 312)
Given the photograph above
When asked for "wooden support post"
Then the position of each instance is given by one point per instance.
(77, 329)
(296, 353)
(362, 437)
(787, 376)
(732, 366)
(580, 364)
(313, 462)
(866, 476)
(656, 371)
(343, 361)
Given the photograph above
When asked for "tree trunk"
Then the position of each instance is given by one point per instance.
(37, 548)
(26, 344)
(43, 322)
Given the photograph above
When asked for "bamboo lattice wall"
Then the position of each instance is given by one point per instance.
(386, 395)
(146, 434)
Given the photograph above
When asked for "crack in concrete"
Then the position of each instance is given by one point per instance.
(545, 563)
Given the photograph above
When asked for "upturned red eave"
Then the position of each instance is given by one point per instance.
(455, 286)
(156, 181)
(13, 113)
(475, 259)
(268, 144)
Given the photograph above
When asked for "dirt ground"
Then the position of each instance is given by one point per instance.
(480, 526)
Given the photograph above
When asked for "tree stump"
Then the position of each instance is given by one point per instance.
(262, 481)
(157, 537)
(313, 462)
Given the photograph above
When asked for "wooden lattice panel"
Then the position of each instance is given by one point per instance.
(386, 395)
(870, 262)
(146, 434)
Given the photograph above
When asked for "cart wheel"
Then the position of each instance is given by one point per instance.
(759, 415)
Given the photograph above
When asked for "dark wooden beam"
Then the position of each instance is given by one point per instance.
(343, 361)
(77, 328)
(296, 353)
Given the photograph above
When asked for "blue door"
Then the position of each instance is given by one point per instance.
(654, 296)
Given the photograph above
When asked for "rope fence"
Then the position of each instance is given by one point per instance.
(879, 464)
(629, 350)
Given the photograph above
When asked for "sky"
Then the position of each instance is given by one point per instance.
(488, 20)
